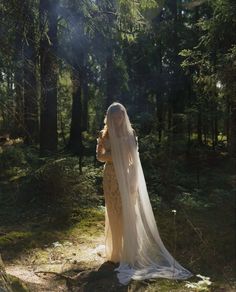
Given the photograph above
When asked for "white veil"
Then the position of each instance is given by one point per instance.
(143, 253)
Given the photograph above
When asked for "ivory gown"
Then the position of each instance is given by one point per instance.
(113, 211)
(136, 244)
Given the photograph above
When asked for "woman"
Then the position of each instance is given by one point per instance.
(131, 234)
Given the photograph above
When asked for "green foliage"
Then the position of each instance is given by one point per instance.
(13, 237)
(55, 180)
(134, 16)
(199, 211)
(90, 186)
(150, 45)
(145, 43)
(12, 156)
(59, 186)
(193, 200)
(145, 122)
(64, 105)
(208, 61)
(32, 156)
(17, 285)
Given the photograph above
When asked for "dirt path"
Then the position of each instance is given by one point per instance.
(34, 282)
(61, 257)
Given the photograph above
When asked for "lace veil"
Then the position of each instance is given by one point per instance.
(143, 253)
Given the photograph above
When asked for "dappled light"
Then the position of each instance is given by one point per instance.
(63, 167)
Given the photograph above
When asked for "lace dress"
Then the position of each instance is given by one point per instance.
(113, 206)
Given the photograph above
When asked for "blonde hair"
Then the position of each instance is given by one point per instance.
(112, 108)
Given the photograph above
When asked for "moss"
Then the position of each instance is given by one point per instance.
(204, 219)
(163, 285)
(14, 237)
(17, 285)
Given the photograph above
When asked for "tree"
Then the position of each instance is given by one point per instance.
(75, 140)
(210, 67)
(49, 75)
(31, 120)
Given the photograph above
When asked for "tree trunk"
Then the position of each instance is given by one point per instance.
(30, 82)
(205, 135)
(227, 126)
(109, 79)
(199, 126)
(232, 147)
(169, 116)
(18, 81)
(49, 76)
(214, 124)
(110, 7)
(216, 131)
(189, 131)
(212, 134)
(75, 141)
(11, 101)
(160, 119)
(5, 283)
(85, 101)
(159, 101)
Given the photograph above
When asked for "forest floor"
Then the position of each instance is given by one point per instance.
(48, 251)
(56, 267)
(72, 259)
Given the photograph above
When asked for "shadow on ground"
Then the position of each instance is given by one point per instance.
(102, 279)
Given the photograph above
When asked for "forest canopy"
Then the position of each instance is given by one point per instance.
(171, 63)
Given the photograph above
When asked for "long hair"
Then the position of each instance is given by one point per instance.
(114, 107)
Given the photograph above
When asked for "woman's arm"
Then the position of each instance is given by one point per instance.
(102, 154)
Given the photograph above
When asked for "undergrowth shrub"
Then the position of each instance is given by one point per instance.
(60, 181)
(53, 180)
(12, 156)
(60, 188)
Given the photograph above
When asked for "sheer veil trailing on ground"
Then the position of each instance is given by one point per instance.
(143, 253)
